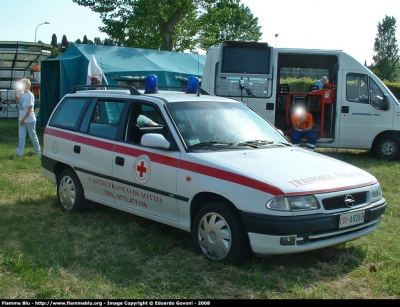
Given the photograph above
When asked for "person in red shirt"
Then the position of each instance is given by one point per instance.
(302, 123)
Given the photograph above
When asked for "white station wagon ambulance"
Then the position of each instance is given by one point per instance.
(208, 165)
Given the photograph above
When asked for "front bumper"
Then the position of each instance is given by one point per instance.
(270, 234)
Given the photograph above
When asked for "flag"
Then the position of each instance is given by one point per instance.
(94, 70)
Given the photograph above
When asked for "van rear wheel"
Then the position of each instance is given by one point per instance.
(387, 147)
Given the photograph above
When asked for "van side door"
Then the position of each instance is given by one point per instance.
(360, 116)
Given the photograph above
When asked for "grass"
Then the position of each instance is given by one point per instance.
(108, 254)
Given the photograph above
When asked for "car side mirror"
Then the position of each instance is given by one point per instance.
(380, 102)
(385, 102)
(155, 140)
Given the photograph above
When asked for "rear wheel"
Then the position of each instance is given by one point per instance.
(70, 192)
(219, 235)
(387, 147)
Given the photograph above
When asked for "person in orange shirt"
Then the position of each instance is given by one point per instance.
(302, 123)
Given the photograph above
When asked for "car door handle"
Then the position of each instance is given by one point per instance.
(77, 149)
(119, 161)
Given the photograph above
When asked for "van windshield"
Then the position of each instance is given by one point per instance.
(222, 123)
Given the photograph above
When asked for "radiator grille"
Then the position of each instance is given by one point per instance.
(337, 202)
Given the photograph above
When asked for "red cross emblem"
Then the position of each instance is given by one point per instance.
(141, 169)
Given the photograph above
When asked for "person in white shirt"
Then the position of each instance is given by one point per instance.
(320, 83)
(27, 119)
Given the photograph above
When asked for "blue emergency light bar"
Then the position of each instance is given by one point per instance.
(151, 85)
(192, 86)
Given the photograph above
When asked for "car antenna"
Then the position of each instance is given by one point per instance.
(198, 71)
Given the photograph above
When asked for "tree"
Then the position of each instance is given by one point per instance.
(172, 24)
(386, 60)
(55, 52)
(78, 41)
(97, 41)
(54, 40)
(109, 42)
(228, 20)
(64, 42)
(85, 40)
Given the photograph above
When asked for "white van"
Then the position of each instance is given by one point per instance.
(208, 165)
(354, 110)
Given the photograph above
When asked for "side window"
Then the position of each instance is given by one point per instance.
(362, 89)
(143, 119)
(69, 112)
(253, 87)
(105, 118)
(357, 88)
(302, 72)
(376, 95)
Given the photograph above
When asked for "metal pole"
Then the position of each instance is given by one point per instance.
(44, 23)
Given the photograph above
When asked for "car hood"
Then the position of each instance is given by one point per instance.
(292, 169)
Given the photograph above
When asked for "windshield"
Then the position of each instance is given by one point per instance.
(213, 123)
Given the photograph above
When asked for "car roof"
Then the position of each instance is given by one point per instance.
(171, 96)
(166, 96)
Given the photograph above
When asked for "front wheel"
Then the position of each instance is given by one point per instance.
(219, 235)
(387, 147)
(70, 192)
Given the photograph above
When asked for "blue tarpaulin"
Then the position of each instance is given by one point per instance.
(59, 75)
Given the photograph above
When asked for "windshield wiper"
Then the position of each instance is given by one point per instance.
(211, 143)
(254, 143)
(283, 143)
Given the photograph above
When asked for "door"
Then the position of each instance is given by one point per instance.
(359, 114)
(145, 178)
(95, 147)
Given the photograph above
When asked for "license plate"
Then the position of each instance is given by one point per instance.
(350, 219)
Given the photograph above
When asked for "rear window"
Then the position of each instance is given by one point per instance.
(68, 113)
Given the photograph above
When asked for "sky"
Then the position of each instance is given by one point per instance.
(348, 25)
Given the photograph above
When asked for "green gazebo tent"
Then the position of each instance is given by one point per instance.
(59, 75)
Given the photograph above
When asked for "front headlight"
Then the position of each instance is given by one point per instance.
(376, 191)
(294, 203)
